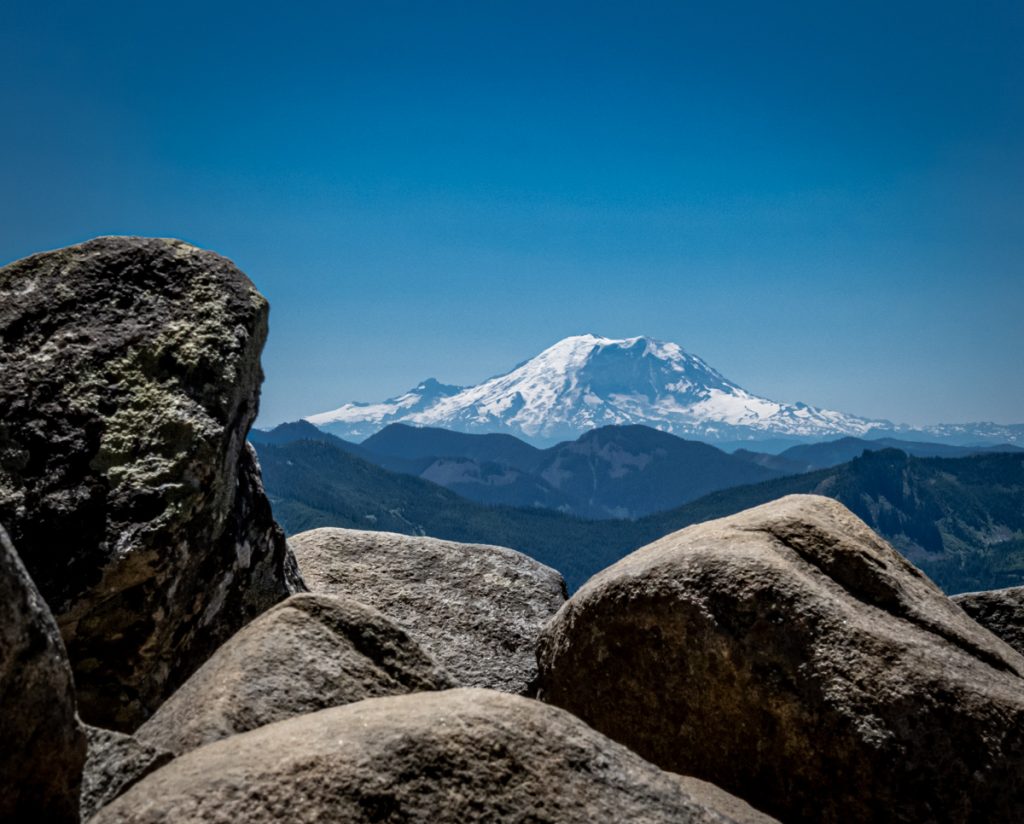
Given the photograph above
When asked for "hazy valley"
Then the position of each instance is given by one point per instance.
(958, 518)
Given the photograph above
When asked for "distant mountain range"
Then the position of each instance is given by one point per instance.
(610, 472)
(821, 455)
(959, 519)
(586, 382)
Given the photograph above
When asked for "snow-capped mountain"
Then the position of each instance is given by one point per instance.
(585, 381)
(360, 420)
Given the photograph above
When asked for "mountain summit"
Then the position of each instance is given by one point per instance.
(586, 381)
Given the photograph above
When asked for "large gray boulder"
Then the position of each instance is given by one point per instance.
(464, 755)
(129, 376)
(115, 762)
(305, 654)
(477, 609)
(789, 655)
(1001, 611)
(42, 745)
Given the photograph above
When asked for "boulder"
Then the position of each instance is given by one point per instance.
(305, 654)
(477, 609)
(1001, 611)
(43, 743)
(115, 761)
(789, 655)
(465, 755)
(129, 376)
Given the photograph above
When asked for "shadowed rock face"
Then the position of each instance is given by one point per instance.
(789, 655)
(1001, 611)
(114, 763)
(463, 755)
(129, 376)
(307, 653)
(42, 745)
(478, 610)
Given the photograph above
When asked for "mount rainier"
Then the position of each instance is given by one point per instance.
(586, 381)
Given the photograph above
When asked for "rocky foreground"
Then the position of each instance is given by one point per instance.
(163, 659)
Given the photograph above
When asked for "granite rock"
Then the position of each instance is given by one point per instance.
(477, 609)
(115, 761)
(465, 755)
(305, 654)
(790, 656)
(1000, 611)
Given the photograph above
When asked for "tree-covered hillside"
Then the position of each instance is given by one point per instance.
(961, 520)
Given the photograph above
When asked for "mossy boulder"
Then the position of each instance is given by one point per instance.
(129, 377)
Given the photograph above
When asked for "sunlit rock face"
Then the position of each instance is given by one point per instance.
(791, 656)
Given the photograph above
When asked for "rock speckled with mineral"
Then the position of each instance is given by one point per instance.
(305, 654)
(477, 609)
(129, 377)
(790, 656)
(464, 755)
(1000, 611)
(42, 745)
(115, 761)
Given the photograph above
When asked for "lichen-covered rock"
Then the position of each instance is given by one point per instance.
(306, 654)
(42, 746)
(478, 610)
(789, 655)
(465, 755)
(129, 376)
(1000, 611)
(115, 761)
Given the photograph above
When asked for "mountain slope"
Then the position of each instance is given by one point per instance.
(300, 431)
(610, 472)
(404, 441)
(961, 520)
(832, 453)
(633, 471)
(584, 382)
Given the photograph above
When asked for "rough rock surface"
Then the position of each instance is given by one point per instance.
(129, 376)
(789, 655)
(43, 746)
(1001, 611)
(463, 755)
(477, 609)
(306, 654)
(115, 761)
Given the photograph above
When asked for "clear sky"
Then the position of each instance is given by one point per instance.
(823, 200)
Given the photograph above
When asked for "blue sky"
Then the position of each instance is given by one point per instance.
(823, 200)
